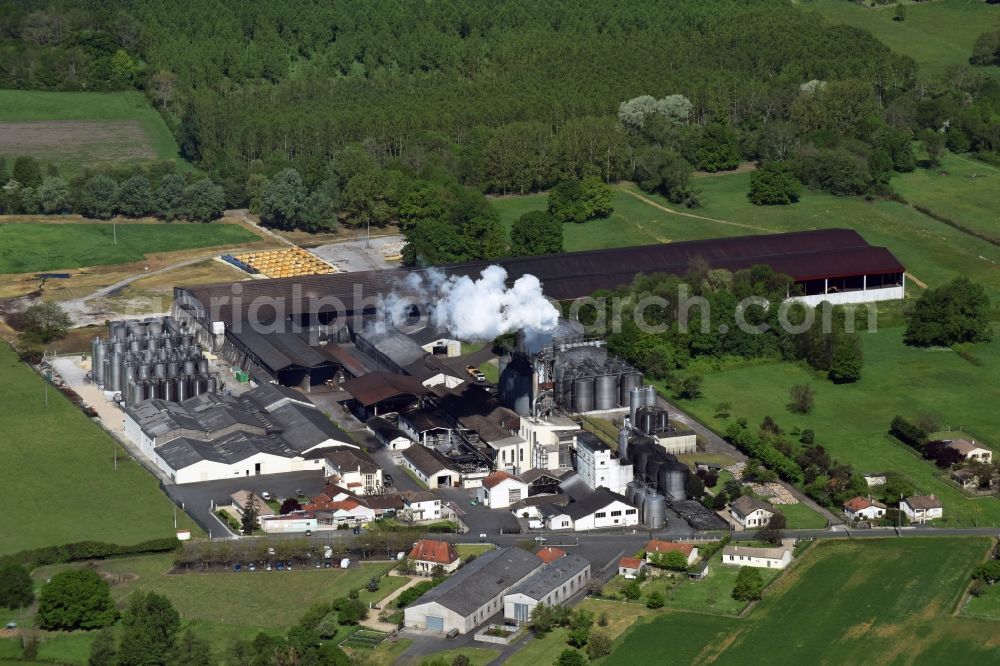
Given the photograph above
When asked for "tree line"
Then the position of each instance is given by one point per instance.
(156, 189)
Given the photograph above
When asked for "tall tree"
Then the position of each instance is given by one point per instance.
(75, 599)
(150, 631)
(283, 200)
(536, 232)
(16, 588)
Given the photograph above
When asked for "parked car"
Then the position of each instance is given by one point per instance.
(266, 496)
(253, 567)
(11, 625)
(288, 566)
(475, 373)
(540, 539)
(280, 566)
(238, 568)
(452, 635)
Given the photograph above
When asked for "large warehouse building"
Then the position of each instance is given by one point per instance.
(835, 265)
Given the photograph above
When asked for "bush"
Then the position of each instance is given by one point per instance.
(655, 600)
(598, 646)
(773, 184)
(88, 550)
(16, 588)
(908, 433)
(408, 596)
(749, 585)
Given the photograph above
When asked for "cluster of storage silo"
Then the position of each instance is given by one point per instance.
(652, 505)
(516, 383)
(638, 397)
(583, 385)
(656, 472)
(154, 358)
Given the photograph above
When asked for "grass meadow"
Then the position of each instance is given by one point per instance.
(57, 479)
(846, 602)
(937, 35)
(76, 129)
(30, 247)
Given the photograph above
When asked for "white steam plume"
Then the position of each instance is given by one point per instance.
(478, 309)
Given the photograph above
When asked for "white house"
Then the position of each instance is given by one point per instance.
(423, 505)
(473, 594)
(921, 508)
(352, 468)
(750, 512)
(630, 567)
(863, 508)
(389, 435)
(596, 465)
(971, 450)
(554, 584)
(764, 558)
(431, 467)
(555, 517)
(601, 508)
(500, 490)
(429, 554)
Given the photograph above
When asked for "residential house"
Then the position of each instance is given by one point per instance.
(552, 585)
(750, 512)
(431, 467)
(428, 554)
(473, 594)
(656, 549)
(778, 557)
(921, 508)
(630, 567)
(353, 469)
(555, 517)
(423, 505)
(601, 508)
(971, 450)
(500, 490)
(967, 478)
(863, 508)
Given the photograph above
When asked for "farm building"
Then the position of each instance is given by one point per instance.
(472, 594)
(500, 490)
(835, 265)
(554, 584)
(432, 468)
(601, 508)
(763, 558)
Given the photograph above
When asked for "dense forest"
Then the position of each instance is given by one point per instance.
(361, 106)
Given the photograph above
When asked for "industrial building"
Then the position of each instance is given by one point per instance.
(285, 357)
(598, 466)
(600, 509)
(835, 265)
(474, 593)
(213, 436)
(556, 583)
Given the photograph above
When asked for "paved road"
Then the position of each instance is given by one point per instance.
(716, 444)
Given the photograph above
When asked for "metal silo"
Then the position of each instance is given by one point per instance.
(639, 498)
(583, 394)
(183, 390)
(170, 390)
(650, 396)
(189, 368)
(114, 383)
(654, 511)
(118, 330)
(652, 469)
(646, 421)
(623, 436)
(213, 384)
(203, 366)
(515, 384)
(135, 345)
(630, 492)
(97, 354)
(567, 392)
(154, 327)
(143, 372)
(153, 343)
(672, 480)
(636, 399)
(173, 368)
(160, 370)
(626, 383)
(662, 422)
(605, 392)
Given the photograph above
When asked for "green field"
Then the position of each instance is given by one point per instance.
(962, 190)
(76, 129)
(852, 420)
(847, 602)
(57, 482)
(936, 34)
(987, 605)
(29, 247)
(801, 516)
(219, 607)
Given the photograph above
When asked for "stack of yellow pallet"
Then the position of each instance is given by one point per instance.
(292, 262)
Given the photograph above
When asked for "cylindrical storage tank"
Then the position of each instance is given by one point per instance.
(119, 331)
(639, 461)
(662, 422)
(135, 345)
(654, 511)
(168, 342)
(154, 328)
(623, 436)
(160, 370)
(183, 390)
(636, 399)
(630, 492)
(606, 392)
(672, 480)
(129, 373)
(639, 498)
(97, 352)
(567, 392)
(189, 368)
(203, 367)
(170, 390)
(143, 372)
(187, 340)
(200, 385)
(626, 383)
(153, 343)
(583, 394)
(173, 368)
(136, 329)
(647, 421)
(115, 381)
(652, 469)
(650, 396)
(212, 384)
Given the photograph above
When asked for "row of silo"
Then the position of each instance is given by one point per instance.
(638, 397)
(152, 358)
(600, 392)
(652, 505)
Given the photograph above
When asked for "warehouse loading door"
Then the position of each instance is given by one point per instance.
(435, 623)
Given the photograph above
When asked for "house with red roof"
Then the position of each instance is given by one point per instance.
(657, 549)
(500, 490)
(550, 554)
(863, 508)
(630, 567)
(427, 554)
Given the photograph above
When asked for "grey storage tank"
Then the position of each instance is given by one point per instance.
(647, 421)
(654, 511)
(623, 437)
(115, 367)
(650, 396)
(636, 399)
(672, 480)
(605, 392)
(628, 381)
(639, 498)
(515, 385)
(583, 394)
(97, 353)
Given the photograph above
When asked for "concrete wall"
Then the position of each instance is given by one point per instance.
(861, 296)
(680, 444)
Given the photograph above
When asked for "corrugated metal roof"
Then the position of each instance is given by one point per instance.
(377, 386)
(484, 578)
(551, 577)
(804, 255)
